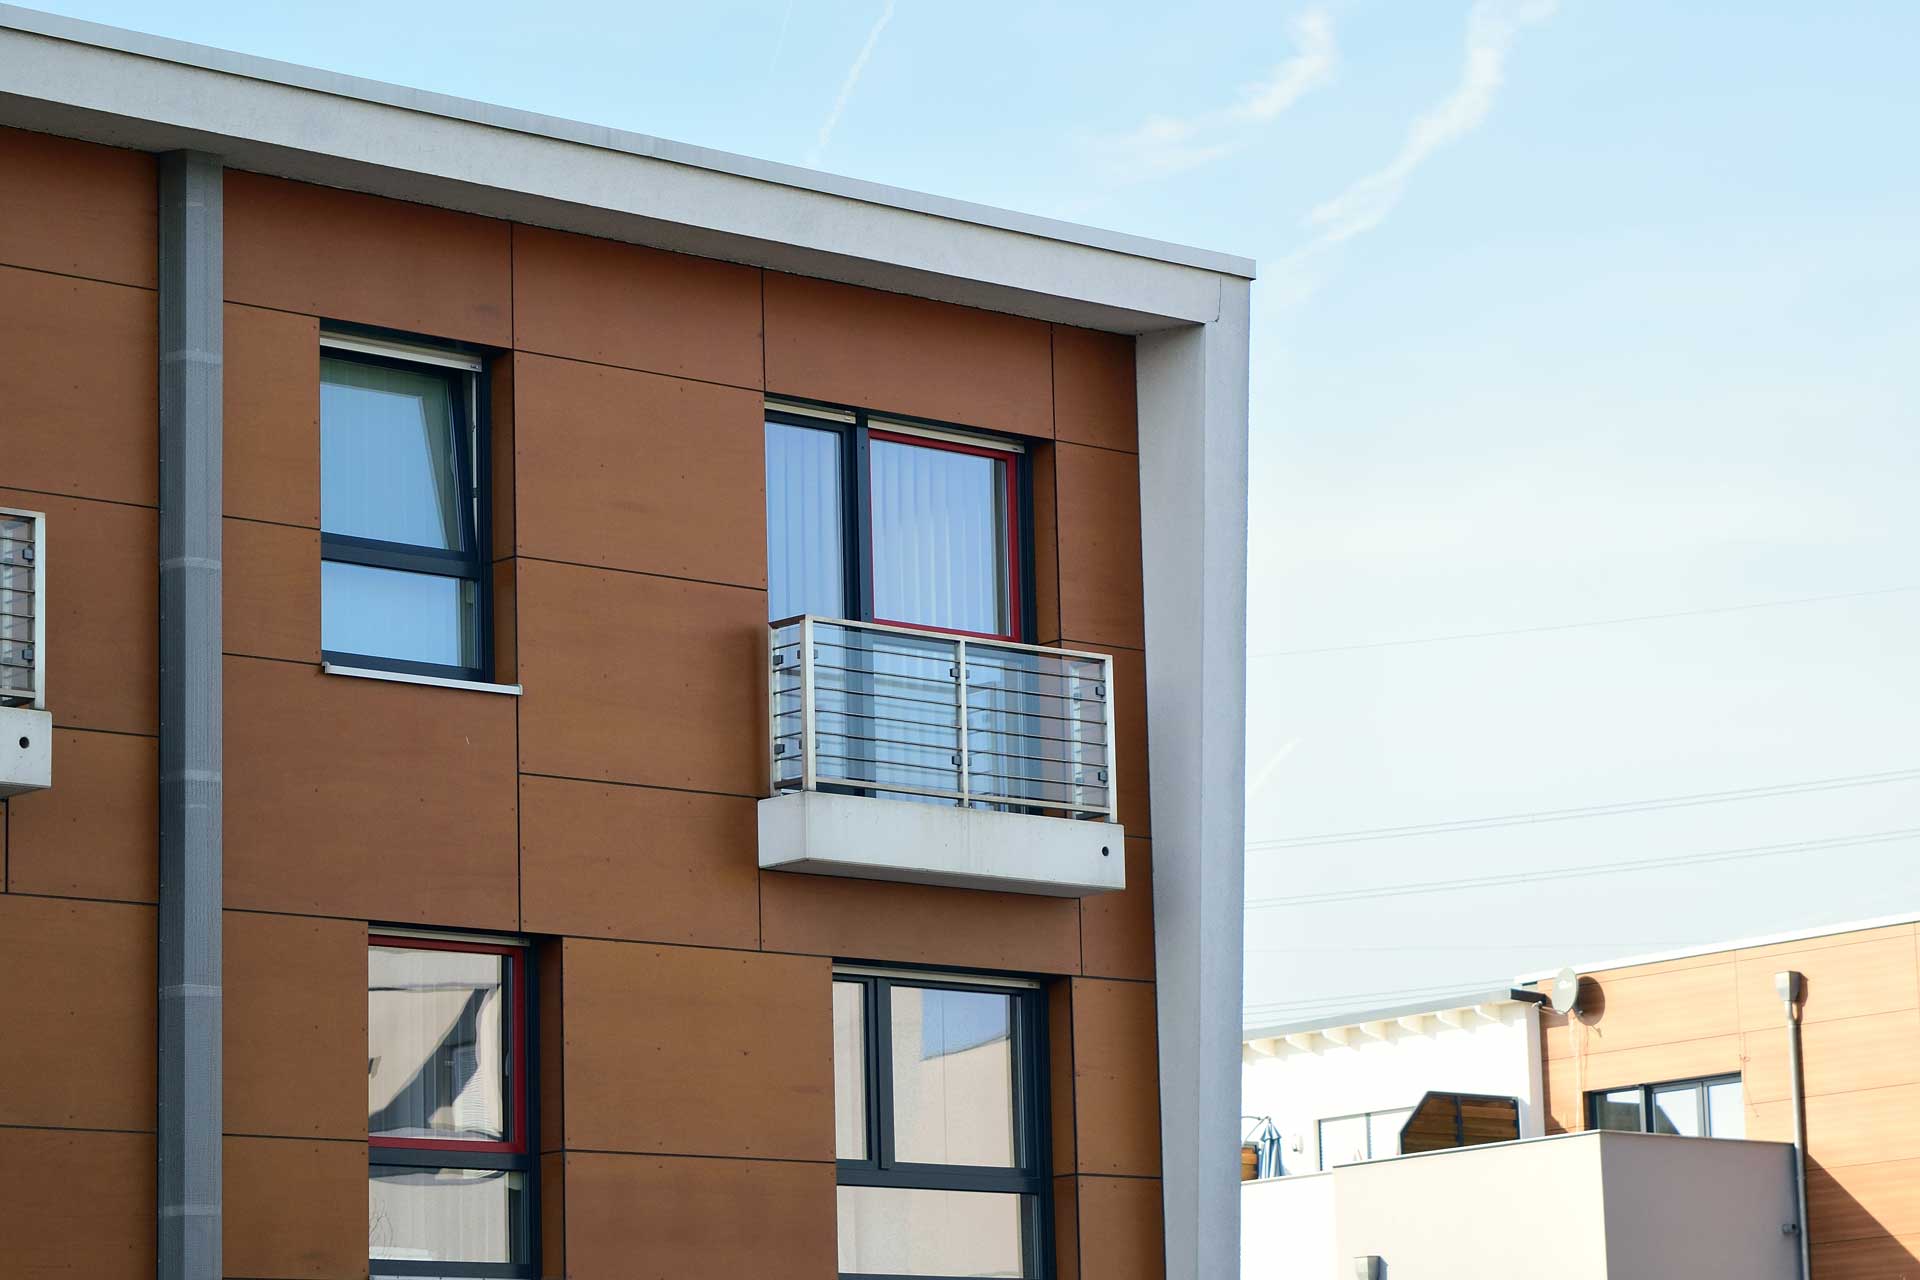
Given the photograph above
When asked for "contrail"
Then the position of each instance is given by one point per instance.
(853, 78)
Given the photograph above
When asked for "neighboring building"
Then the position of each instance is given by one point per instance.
(638, 658)
(1659, 1051)
(1337, 1091)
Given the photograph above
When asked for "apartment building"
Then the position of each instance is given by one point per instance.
(707, 696)
(1609, 1101)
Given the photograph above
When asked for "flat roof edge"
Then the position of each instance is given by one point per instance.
(294, 75)
(1445, 1004)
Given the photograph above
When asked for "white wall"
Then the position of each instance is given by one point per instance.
(1583, 1206)
(1298, 1087)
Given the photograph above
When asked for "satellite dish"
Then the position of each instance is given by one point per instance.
(1566, 991)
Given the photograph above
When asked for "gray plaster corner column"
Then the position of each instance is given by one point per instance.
(188, 1121)
(1193, 507)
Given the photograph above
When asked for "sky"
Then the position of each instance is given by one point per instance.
(1573, 317)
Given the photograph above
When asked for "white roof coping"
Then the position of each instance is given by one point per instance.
(224, 64)
(1738, 944)
(1464, 1000)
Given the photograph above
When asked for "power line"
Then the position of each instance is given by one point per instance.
(1575, 626)
(1479, 946)
(1590, 869)
(1585, 811)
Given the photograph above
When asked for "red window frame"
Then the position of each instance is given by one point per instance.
(516, 1081)
(1009, 462)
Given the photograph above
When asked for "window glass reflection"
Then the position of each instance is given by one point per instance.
(436, 1044)
(444, 1215)
(1726, 1110)
(1619, 1110)
(849, 1072)
(910, 1232)
(1677, 1111)
(940, 549)
(806, 556)
(953, 1064)
(388, 446)
(388, 613)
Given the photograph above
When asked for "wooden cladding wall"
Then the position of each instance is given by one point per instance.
(610, 810)
(1443, 1120)
(1717, 1014)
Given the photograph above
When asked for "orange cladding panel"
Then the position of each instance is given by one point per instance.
(1116, 1090)
(364, 259)
(639, 308)
(635, 471)
(78, 209)
(76, 1205)
(295, 1024)
(97, 833)
(270, 387)
(640, 863)
(369, 799)
(1093, 388)
(898, 354)
(919, 924)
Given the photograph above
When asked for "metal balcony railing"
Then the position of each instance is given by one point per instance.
(23, 615)
(866, 707)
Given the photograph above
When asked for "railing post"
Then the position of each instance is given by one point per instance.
(806, 704)
(1113, 741)
(966, 761)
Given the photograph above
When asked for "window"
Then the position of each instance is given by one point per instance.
(403, 575)
(1371, 1135)
(882, 521)
(450, 1165)
(940, 1128)
(1710, 1108)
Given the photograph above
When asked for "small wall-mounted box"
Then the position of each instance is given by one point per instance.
(26, 728)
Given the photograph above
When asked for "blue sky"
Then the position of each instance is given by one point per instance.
(1569, 312)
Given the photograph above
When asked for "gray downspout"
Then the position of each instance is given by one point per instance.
(189, 1123)
(1791, 987)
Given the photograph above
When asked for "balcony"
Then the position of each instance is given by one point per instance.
(26, 728)
(898, 754)
(1578, 1206)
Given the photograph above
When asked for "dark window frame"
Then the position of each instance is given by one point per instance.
(518, 1154)
(473, 467)
(1700, 1084)
(1030, 1177)
(856, 429)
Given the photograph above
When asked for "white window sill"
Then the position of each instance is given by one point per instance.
(404, 677)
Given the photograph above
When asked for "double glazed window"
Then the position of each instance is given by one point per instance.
(449, 1179)
(1373, 1135)
(403, 584)
(1709, 1108)
(939, 1127)
(890, 522)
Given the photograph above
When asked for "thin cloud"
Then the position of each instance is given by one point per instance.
(846, 87)
(1492, 28)
(1166, 145)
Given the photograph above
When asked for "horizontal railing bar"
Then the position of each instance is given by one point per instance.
(990, 645)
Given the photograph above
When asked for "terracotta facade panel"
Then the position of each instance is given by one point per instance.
(80, 386)
(1060, 1109)
(1878, 975)
(1870, 1052)
(1116, 1088)
(341, 255)
(103, 602)
(1864, 1201)
(1100, 573)
(96, 834)
(632, 678)
(80, 992)
(1652, 1009)
(650, 1218)
(635, 471)
(905, 355)
(918, 924)
(638, 863)
(390, 801)
(78, 208)
(731, 1051)
(76, 1204)
(1117, 928)
(294, 1210)
(623, 304)
(1120, 1228)
(1881, 1257)
(271, 605)
(270, 388)
(1046, 547)
(1094, 398)
(1650, 1064)
(1132, 780)
(1868, 1126)
(295, 1024)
